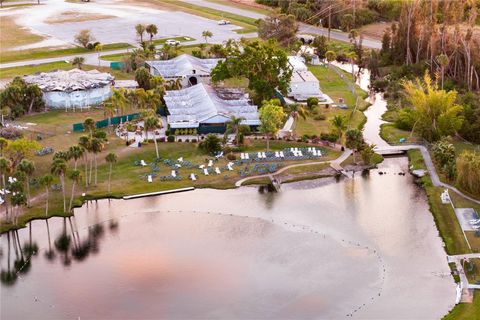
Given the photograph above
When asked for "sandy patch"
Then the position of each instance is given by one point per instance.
(75, 16)
(375, 30)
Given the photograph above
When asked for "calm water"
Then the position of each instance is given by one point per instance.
(318, 249)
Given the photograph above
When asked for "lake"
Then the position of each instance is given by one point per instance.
(365, 247)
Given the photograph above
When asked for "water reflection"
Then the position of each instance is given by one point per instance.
(67, 245)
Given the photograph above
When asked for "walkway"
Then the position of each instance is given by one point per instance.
(430, 167)
(335, 164)
(463, 278)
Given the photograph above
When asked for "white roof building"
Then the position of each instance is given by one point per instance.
(303, 83)
(74, 88)
(201, 104)
(194, 70)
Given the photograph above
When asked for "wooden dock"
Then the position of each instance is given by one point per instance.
(158, 193)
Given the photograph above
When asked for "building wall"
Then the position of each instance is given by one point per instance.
(76, 99)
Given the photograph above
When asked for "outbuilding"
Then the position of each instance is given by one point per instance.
(73, 88)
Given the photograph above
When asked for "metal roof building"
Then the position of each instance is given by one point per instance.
(203, 106)
(192, 69)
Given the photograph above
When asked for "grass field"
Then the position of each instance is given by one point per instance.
(41, 53)
(334, 86)
(8, 73)
(392, 135)
(466, 311)
(12, 35)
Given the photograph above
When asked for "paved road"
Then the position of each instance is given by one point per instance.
(303, 28)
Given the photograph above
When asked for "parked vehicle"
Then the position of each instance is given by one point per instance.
(172, 42)
(223, 22)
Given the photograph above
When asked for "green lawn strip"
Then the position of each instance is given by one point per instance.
(8, 73)
(257, 181)
(242, 6)
(213, 14)
(392, 135)
(466, 311)
(42, 53)
(444, 216)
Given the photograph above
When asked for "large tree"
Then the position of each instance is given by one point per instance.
(152, 30)
(20, 97)
(264, 64)
(272, 118)
(46, 181)
(354, 141)
(84, 37)
(435, 111)
(281, 27)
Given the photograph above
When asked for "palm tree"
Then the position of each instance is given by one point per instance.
(297, 110)
(233, 125)
(58, 168)
(207, 34)
(352, 56)
(75, 176)
(443, 61)
(354, 141)
(90, 126)
(97, 147)
(46, 181)
(85, 142)
(98, 49)
(111, 158)
(151, 123)
(5, 167)
(78, 62)
(331, 56)
(140, 29)
(76, 152)
(153, 99)
(27, 167)
(340, 124)
(118, 99)
(152, 30)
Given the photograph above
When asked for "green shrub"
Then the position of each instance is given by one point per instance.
(319, 117)
(312, 102)
(171, 138)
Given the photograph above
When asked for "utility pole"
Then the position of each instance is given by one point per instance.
(329, 20)
(354, 9)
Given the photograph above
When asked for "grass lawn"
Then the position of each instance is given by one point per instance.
(248, 24)
(444, 216)
(466, 311)
(12, 35)
(334, 86)
(9, 73)
(41, 53)
(472, 270)
(392, 135)
(127, 178)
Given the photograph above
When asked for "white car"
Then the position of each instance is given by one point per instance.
(172, 42)
(223, 22)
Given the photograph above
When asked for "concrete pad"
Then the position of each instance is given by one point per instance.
(463, 216)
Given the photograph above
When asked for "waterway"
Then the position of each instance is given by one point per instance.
(333, 249)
